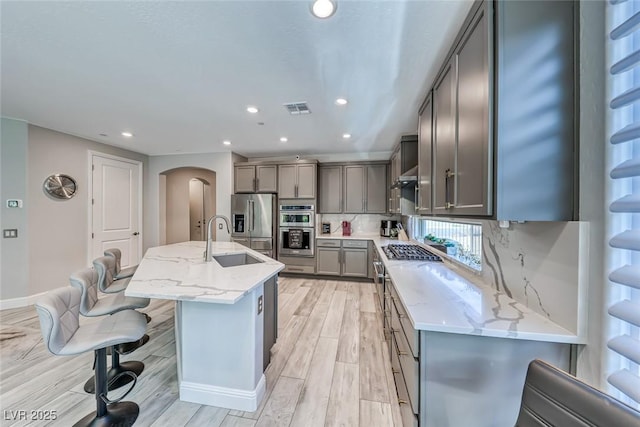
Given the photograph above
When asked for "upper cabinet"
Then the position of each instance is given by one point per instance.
(461, 158)
(404, 162)
(497, 129)
(425, 145)
(297, 181)
(255, 178)
(353, 188)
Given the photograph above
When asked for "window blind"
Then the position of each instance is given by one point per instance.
(624, 211)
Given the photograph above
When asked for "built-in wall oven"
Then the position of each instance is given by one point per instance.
(297, 230)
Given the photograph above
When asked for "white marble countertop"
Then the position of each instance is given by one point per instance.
(439, 299)
(178, 272)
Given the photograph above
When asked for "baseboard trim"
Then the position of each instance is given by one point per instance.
(6, 304)
(232, 398)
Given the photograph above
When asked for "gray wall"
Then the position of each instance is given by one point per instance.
(57, 239)
(14, 271)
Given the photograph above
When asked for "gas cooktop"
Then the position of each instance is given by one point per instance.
(399, 252)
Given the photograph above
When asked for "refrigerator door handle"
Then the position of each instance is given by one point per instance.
(252, 213)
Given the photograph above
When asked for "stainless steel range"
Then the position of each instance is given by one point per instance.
(397, 252)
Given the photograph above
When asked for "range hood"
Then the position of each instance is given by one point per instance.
(409, 177)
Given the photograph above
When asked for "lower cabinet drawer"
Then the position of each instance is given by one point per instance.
(346, 243)
(409, 419)
(413, 337)
(410, 369)
(307, 269)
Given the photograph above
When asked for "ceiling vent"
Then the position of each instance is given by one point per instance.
(296, 108)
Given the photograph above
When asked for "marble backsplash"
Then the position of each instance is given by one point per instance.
(360, 223)
(542, 265)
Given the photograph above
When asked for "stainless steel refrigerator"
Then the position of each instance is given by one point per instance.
(254, 217)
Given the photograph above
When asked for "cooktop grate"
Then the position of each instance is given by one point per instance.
(409, 252)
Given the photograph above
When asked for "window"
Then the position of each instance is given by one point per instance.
(623, 190)
(462, 240)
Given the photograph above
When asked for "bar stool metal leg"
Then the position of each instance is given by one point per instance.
(121, 414)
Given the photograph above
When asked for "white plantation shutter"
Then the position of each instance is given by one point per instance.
(623, 152)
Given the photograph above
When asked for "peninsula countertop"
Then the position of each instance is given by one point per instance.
(438, 299)
(178, 272)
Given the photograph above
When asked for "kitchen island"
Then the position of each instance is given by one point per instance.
(225, 316)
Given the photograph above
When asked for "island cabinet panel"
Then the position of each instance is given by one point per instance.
(297, 181)
(270, 319)
(330, 189)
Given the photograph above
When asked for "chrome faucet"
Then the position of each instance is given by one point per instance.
(207, 252)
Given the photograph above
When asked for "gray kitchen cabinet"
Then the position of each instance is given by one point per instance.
(353, 188)
(297, 181)
(328, 261)
(330, 189)
(492, 154)
(342, 257)
(444, 139)
(355, 262)
(255, 178)
(425, 144)
(376, 189)
(471, 193)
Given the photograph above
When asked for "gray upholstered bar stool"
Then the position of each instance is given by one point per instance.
(58, 312)
(106, 267)
(86, 280)
(552, 397)
(118, 272)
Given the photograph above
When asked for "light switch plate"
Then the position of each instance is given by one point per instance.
(14, 203)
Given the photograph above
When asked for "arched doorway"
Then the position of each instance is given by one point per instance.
(189, 199)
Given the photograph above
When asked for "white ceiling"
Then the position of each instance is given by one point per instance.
(179, 75)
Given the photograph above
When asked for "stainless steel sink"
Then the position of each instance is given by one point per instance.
(233, 260)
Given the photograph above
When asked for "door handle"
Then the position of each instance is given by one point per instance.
(135, 233)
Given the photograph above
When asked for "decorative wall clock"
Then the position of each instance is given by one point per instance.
(60, 186)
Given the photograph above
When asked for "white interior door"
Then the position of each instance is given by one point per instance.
(115, 209)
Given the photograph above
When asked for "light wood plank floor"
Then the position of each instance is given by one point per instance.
(329, 367)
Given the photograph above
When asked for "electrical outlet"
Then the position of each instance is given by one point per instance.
(10, 233)
(219, 226)
(260, 299)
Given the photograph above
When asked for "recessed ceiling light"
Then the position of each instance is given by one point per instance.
(323, 8)
(283, 139)
(127, 134)
(346, 135)
(227, 142)
(341, 101)
(252, 109)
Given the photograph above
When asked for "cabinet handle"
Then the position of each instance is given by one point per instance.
(402, 353)
(394, 371)
(447, 190)
(417, 196)
(402, 402)
(257, 184)
(402, 316)
(296, 191)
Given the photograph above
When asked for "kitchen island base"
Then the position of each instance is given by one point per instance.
(220, 351)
